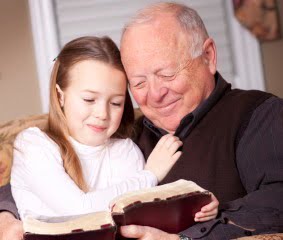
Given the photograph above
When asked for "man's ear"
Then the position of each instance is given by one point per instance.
(61, 95)
(210, 55)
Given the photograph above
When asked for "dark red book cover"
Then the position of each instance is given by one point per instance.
(108, 233)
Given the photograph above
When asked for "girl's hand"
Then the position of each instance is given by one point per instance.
(164, 156)
(208, 211)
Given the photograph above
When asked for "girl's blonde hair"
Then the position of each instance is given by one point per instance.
(84, 48)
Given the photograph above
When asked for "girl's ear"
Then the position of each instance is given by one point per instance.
(61, 95)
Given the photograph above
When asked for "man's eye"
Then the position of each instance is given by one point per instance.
(139, 84)
(167, 76)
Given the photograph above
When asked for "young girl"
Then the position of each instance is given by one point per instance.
(84, 158)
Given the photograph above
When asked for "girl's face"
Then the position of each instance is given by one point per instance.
(93, 103)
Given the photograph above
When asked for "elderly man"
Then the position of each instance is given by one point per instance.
(236, 152)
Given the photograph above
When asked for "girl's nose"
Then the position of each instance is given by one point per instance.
(101, 111)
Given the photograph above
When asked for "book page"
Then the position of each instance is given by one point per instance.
(86, 222)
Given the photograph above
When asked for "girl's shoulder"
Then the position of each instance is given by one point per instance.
(31, 130)
(31, 133)
(34, 136)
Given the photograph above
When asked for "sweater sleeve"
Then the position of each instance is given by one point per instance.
(7, 202)
(259, 159)
(38, 172)
(128, 162)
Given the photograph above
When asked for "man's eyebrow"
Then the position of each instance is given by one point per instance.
(159, 69)
(137, 76)
(165, 67)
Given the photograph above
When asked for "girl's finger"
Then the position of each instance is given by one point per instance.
(176, 156)
(170, 140)
(163, 140)
(174, 146)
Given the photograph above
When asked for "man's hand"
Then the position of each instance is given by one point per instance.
(146, 233)
(209, 211)
(10, 227)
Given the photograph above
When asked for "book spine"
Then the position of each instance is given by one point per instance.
(100, 234)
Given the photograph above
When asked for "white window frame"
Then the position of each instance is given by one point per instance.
(246, 49)
(46, 44)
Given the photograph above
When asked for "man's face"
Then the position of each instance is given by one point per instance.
(165, 82)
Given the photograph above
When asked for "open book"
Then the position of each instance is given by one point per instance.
(170, 207)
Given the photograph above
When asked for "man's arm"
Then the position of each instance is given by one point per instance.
(259, 159)
(10, 227)
(7, 202)
(260, 163)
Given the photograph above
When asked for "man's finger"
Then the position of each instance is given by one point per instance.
(204, 219)
(213, 205)
(132, 231)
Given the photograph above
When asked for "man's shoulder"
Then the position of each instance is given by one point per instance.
(248, 93)
(246, 98)
(271, 105)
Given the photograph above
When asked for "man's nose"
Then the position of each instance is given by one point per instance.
(157, 90)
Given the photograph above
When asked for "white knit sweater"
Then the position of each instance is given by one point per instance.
(41, 187)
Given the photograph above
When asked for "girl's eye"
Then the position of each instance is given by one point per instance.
(116, 104)
(88, 100)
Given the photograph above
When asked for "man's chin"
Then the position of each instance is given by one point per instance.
(166, 124)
